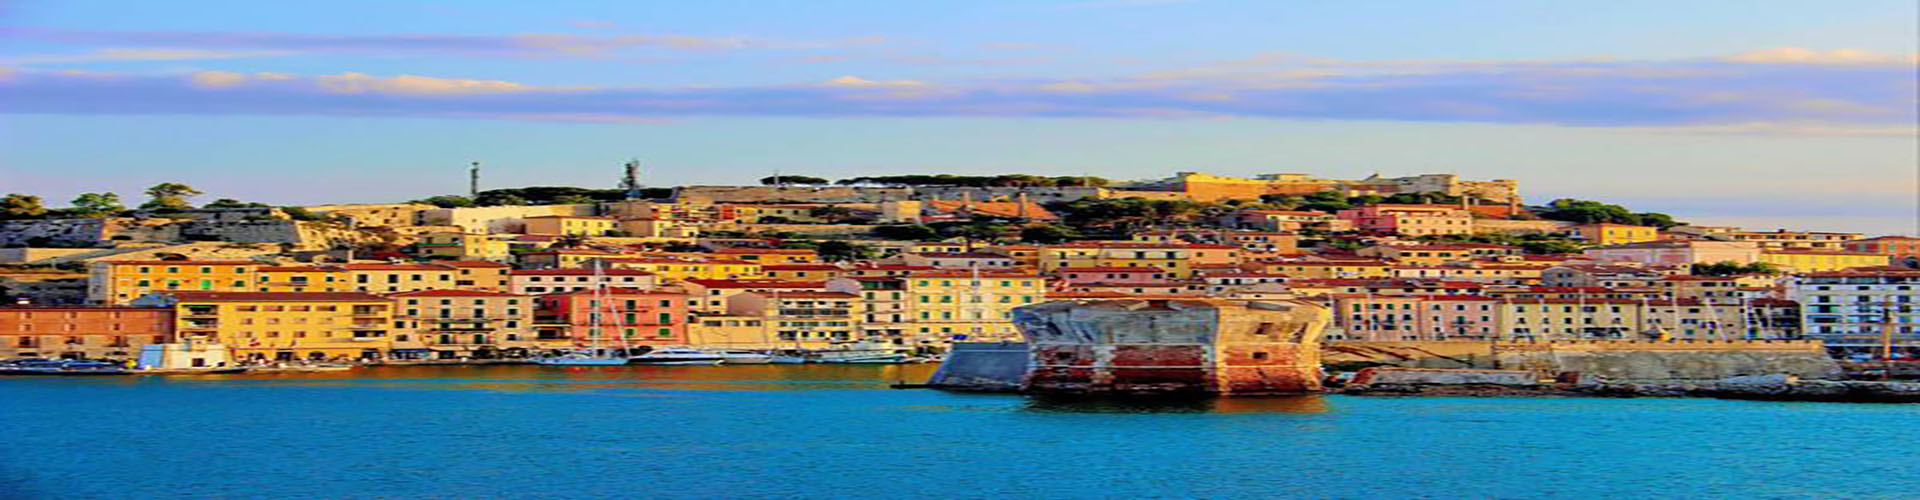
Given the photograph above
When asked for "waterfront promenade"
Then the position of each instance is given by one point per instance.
(819, 431)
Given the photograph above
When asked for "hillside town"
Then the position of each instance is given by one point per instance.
(906, 265)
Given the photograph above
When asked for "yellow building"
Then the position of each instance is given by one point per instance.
(1565, 319)
(270, 326)
(453, 324)
(561, 258)
(802, 272)
(732, 332)
(571, 225)
(396, 278)
(457, 245)
(479, 275)
(302, 279)
(675, 270)
(120, 282)
(802, 319)
(1177, 259)
(766, 256)
(1615, 234)
(964, 306)
(1325, 269)
(1817, 261)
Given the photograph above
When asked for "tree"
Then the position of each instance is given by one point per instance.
(1325, 201)
(793, 179)
(495, 198)
(1048, 234)
(1730, 268)
(911, 232)
(21, 206)
(832, 214)
(840, 251)
(95, 205)
(169, 197)
(232, 203)
(1589, 212)
(447, 201)
(570, 241)
(574, 199)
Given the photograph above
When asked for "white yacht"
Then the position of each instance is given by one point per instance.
(678, 356)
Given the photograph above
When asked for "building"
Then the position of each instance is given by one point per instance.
(302, 279)
(1569, 319)
(1318, 269)
(1281, 220)
(1598, 275)
(707, 296)
(884, 314)
(1614, 234)
(969, 306)
(76, 332)
(1814, 261)
(455, 324)
(678, 270)
(1794, 240)
(1414, 317)
(1677, 253)
(1178, 259)
(120, 282)
(1904, 250)
(764, 256)
(561, 258)
(479, 275)
(464, 246)
(279, 326)
(802, 319)
(571, 225)
(1113, 275)
(1861, 311)
(619, 317)
(396, 278)
(545, 281)
(1410, 220)
(958, 260)
(1205, 187)
(802, 272)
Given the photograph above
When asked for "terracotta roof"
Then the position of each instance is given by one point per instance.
(194, 296)
(393, 267)
(184, 262)
(808, 295)
(452, 293)
(470, 263)
(1110, 269)
(578, 272)
(785, 251)
(755, 283)
(801, 267)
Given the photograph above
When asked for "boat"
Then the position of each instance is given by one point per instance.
(62, 367)
(592, 354)
(678, 356)
(864, 358)
(581, 358)
(192, 371)
(733, 357)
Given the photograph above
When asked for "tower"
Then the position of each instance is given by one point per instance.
(631, 182)
(473, 181)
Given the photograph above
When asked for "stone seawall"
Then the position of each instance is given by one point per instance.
(982, 366)
(1612, 359)
(1168, 346)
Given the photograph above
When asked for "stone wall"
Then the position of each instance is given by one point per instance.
(500, 219)
(53, 232)
(1612, 359)
(982, 366)
(39, 255)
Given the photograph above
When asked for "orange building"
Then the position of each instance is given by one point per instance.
(82, 331)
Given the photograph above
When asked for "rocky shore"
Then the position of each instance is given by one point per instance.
(1766, 387)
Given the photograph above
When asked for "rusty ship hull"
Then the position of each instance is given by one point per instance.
(1208, 346)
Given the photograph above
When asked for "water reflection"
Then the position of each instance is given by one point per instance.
(534, 378)
(1054, 403)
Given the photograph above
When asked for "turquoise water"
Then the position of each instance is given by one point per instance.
(838, 432)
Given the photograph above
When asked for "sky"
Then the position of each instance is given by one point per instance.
(1760, 113)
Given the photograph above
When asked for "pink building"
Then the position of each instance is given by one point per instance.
(637, 317)
(1678, 253)
(1905, 250)
(1409, 220)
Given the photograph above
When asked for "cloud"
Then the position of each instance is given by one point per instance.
(854, 81)
(1801, 55)
(533, 45)
(140, 54)
(1702, 96)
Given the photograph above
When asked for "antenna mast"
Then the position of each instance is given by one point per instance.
(473, 181)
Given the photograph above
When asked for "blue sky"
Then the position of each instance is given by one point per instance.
(1788, 113)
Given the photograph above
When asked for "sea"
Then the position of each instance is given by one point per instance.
(840, 431)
